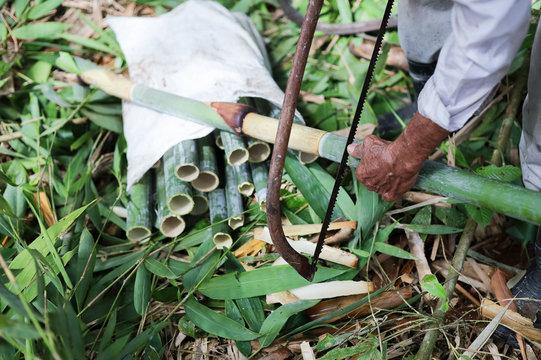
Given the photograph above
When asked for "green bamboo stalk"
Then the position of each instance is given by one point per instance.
(201, 203)
(260, 176)
(218, 215)
(139, 218)
(178, 192)
(258, 150)
(235, 150)
(243, 178)
(187, 155)
(429, 340)
(473, 189)
(169, 224)
(208, 179)
(508, 199)
(235, 207)
(329, 146)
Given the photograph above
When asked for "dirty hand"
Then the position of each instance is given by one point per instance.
(391, 168)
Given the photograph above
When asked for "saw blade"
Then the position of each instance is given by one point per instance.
(355, 123)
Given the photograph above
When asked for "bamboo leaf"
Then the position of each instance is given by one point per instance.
(481, 216)
(310, 187)
(22, 260)
(506, 173)
(140, 341)
(261, 281)
(277, 319)
(252, 312)
(42, 9)
(345, 11)
(159, 269)
(433, 229)
(141, 290)
(46, 30)
(393, 251)
(216, 323)
(66, 62)
(431, 284)
(343, 200)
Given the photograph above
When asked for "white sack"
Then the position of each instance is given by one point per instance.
(198, 50)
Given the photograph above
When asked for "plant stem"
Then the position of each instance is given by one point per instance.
(429, 340)
(510, 114)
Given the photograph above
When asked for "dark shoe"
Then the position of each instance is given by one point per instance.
(528, 289)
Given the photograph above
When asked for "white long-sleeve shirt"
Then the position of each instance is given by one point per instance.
(485, 37)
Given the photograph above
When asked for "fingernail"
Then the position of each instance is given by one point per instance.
(351, 148)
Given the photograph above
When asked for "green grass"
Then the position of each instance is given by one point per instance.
(77, 287)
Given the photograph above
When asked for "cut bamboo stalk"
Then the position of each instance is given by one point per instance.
(331, 289)
(208, 179)
(178, 192)
(308, 229)
(243, 178)
(218, 213)
(200, 203)
(417, 249)
(307, 352)
(386, 300)
(235, 149)
(139, 218)
(260, 176)
(327, 253)
(511, 200)
(235, 207)
(218, 140)
(169, 224)
(258, 151)
(187, 153)
(511, 319)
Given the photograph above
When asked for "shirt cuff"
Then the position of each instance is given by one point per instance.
(430, 105)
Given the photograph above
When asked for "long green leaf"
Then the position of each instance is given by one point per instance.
(24, 258)
(216, 323)
(261, 281)
(277, 319)
(141, 290)
(46, 30)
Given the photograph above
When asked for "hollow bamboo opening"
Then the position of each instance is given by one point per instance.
(258, 152)
(238, 156)
(187, 172)
(219, 142)
(307, 158)
(172, 226)
(235, 222)
(246, 188)
(200, 205)
(138, 233)
(206, 181)
(222, 240)
(180, 204)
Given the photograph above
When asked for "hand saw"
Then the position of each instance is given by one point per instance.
(274, 221)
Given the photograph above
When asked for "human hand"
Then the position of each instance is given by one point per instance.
(391, 168)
